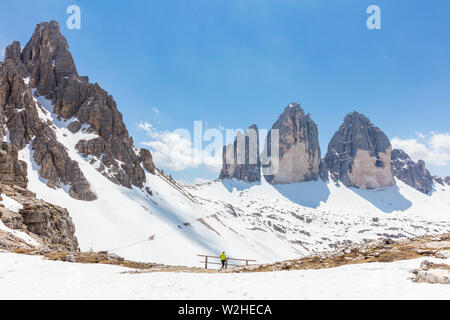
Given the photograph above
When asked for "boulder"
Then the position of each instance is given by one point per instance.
(10, 218)
(50, 223)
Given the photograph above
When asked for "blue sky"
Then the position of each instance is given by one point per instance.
(232, 63)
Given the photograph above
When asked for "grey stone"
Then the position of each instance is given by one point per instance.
(411, 173)
(48, 63)
(447, 180)
(359, 154)
(439, 180)
(241, 158)
(299, 152)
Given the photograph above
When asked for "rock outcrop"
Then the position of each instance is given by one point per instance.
(45, 69)
(323, 171)
(411, 173)
(298, 157)
(53, 73)
(12, 170)
(438, 180)
(24, 123)
(48, 224)
(241, 159)
(430, 272)
(447, 180)
(359, 154)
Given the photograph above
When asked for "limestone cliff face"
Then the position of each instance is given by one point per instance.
(12, 170)
(359, 154)
(413, 174)
(48, 224)
(53, 73)
(22, 124)
(46, 68)
(241, 158)
(298, 158)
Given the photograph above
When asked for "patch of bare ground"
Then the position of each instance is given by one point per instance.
(380, 250)
(104, 257)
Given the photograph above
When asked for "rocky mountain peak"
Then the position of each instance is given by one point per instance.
(298, 148)
(47, 58)
(241, 158)
(45, 70)
(413, 174)
(13, 51)
(438, 180)
(359, 154)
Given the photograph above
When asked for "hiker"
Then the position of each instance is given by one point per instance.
(223, 259)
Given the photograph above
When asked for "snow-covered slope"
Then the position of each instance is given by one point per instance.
(315, 216)
(22, 277)
(255, 221)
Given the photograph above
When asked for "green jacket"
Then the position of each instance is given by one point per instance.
(223, 257)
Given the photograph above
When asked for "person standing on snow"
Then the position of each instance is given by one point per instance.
(223, 259)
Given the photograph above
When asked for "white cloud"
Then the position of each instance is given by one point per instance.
(434, 149)
(420, 135)
(175, 151)
(156, 112)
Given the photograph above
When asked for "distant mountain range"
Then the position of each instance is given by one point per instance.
(71, 178)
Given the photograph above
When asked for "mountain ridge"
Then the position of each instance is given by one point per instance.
(75, 152)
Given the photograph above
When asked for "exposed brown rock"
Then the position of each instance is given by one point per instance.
(58, 168)
(50, 69)
(51, 224)
(12, 170)
(47, 58)
(54, 74)
(147, 161)
(241, 158)
(413, 174)
(359, 154)
(24, 126)
(299, 151)
(74, 126)
(11, 219)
